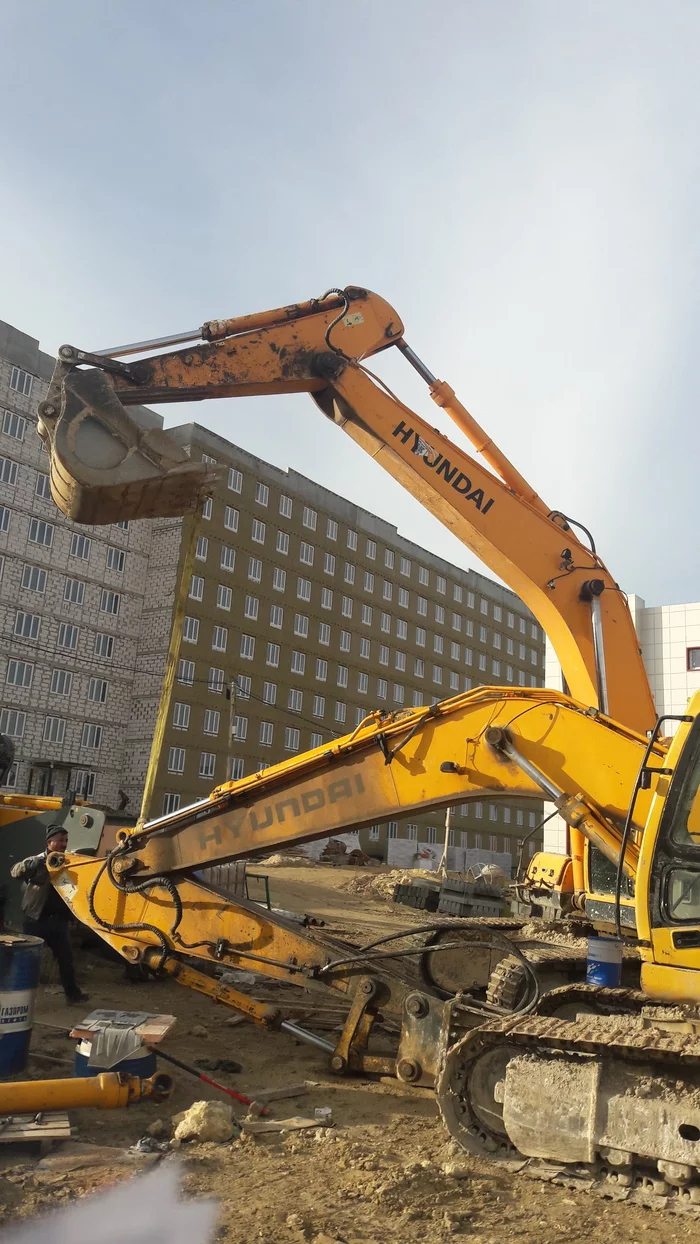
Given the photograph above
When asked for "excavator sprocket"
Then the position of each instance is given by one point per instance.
(607, 1104)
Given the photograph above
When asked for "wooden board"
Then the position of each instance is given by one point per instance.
(151, 1031)
(54, 1125)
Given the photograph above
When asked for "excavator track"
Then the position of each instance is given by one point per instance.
(470, 1092)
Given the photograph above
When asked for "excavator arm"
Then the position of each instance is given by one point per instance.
(105, 467)
(147, 901)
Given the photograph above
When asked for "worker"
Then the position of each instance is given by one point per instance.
(45, 913)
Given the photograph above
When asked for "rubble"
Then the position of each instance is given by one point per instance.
(205, 1120)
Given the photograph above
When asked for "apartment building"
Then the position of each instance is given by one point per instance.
(71, 608)
(304, 613)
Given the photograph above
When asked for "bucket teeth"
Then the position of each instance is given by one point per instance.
(107, 465)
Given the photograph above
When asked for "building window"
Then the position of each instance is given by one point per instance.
(14, 425)
(236, 769)
(13, 722)
(420, 637)
(247, 650)
(269, 695)
(374, 833)
(367, 615)
(362, 683)
(4, 518)
(176, 760)
(20, 673)
(437, 674)
(340, 712)
(440, 584)
(196, 591)
(439, 614)
(103, 646)
(371, 550)
(212, 719)
(351, 540)
(493, 843)
(185, 672)
(285, 508)
(383, 654)
(291, 739)
(181, 716)
(324, 633)
(398, 693)
(369, 581)
(254, 569)
(326, 598)
(454, 681)
(257, 531)
(262, 493)
(171, 803)
(227, 561)
(235, 480)
(216, 679)
(298, 662)
(438, 644)
(91, 736)
(346, 607)
(210, 460)
(403, 598)
(386, 624)
(124, 526)
(34, 579)
(202, 548)
(295, 700)
(242, 686)
(431, 834)
(387, 590)
(400, 661)
(482, 662)
(693, 659)
(109, 602)
(266, 733)
(303, 589)
(332, 529)
(469, 628)
(276, 616)
(27, 625)
(207, 764)
(455, 652)
(239, 729)
(497, 613)
(456, 622)
(478, 811)
(190, 630)
(282, 543)
(418, 668)
(279, 579)
(272, 655)
(97, 690)
(309, 518)
(345, 641)
(493, 812)
(306, 554)
(342, 677)
(382, 688)
(21, 381)
(319, 706)
(301, 625)
(457, 593)
(349, 573)
(40, 533)
(8, 471)
(251, 608)
(496, 639)
(405, 566)
(522, 626)
(224, 596)
(484, 606)
(496, 668)
(423, 576)
(115, 559)
(231, 517)
(401, 628)
(207, 508)
(365, 649)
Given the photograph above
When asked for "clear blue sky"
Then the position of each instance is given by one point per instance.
(518, 177)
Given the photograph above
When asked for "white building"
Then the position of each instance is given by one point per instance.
(669, 636)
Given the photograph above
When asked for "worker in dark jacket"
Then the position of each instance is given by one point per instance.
(45, 913)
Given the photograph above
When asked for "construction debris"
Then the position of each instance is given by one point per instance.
(206, 1120)
(292, 1090)
(296, 1124)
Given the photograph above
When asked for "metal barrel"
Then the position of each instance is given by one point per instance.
(20, 961)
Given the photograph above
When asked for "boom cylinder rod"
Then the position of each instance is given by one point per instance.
(599, 655)
(139, 347)
(443, 395)
(310, 1038)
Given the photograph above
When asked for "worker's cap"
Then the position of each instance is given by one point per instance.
(52, 830)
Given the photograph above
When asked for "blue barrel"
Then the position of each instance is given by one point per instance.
(604, 965)
(20, 962)
(142, 1063)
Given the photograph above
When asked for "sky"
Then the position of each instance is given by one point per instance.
(519, 178)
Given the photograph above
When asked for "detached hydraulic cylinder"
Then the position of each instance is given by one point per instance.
(108, 1090)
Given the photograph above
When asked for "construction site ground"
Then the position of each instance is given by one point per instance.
(376, 1175)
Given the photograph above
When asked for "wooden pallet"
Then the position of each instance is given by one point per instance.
(53, 1125)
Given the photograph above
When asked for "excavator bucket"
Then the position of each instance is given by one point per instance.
(105, 466)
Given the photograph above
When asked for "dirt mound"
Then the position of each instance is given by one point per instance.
(288, 861)
(382, 885)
